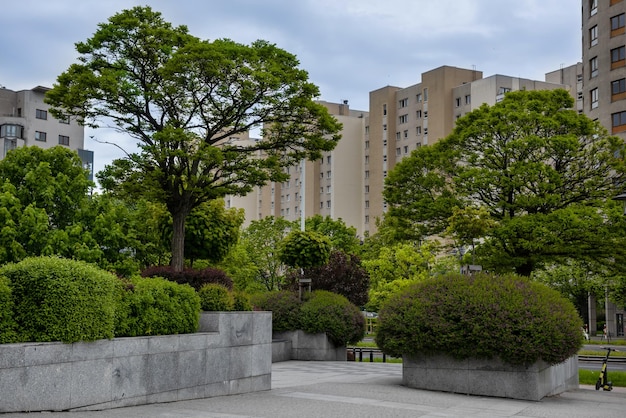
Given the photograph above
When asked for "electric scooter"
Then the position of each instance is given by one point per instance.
(603, 381)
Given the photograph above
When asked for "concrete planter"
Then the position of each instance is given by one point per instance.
(232, 357)
(298, 345)
(489, 377)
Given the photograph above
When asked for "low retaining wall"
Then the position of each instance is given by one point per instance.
(231, 355)
(489, 377)
(298, 345)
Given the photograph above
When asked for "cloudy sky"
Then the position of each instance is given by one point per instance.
(349, 47)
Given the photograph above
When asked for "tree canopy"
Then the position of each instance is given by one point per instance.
(544, 174)
(185, 100)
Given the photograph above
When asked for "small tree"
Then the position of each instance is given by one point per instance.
(304, 249)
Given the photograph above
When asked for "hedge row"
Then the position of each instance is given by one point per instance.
(322, 311)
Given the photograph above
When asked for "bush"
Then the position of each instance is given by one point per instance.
(193, 277)
(242, 302)
(215, 297)
(285, 307)
(333, 314)
(8, 332)
(485, 316)
(155, 306)
(65, 300)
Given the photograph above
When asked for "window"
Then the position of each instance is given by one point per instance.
(457, 101)
(593, 67)
(328, 160)
(425, 95)
(618, 57)
(617, 25)
(594, 98)
(618, 89)
(397, 135)
(328, 173)
(418, 114)
(404, 102)
(398, 151)
(406, 134)
(321, 205)
(406, 149)
(618, 122)
(404, 118)
(426, 114)
(384, 109)
(41, 114)
(367, 219)
(40, 136)
(425, 131)
(64, 140)
(468, 99)
(418, 97)
(385, 157)
(322, 190)
(288, 198)
(367, 174)
(321, 174)
(11, 131)
(367, 159)
(328, 189)
(367, 188)
(593, 7)
(593, 36)
(367, 144)
(367, 204)
(328, 203)
(287, 211)
(418, 130)
(384, 127)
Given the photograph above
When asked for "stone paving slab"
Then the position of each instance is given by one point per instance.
(359, 390)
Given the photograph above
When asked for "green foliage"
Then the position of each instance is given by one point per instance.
(62, 300)
(394, 268)
(183, 98)
(590, 377)
(285, 308)
(484, 316)
(303, 249)
(193, 277)
(238, 264)
(215, 297)
(156, 306)
(343, 274)
(8, 326)
(544, 174)
(241, 301)
(260, 241)
(342, 237)
(333, 314)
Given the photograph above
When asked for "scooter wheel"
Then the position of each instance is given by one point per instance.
(598, 385)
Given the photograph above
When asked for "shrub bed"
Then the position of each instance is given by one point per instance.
(156, 306)
(58, 299)
(333, 314)
(285, 307)
(7, 323)
(215, 297)
(484, 316)
(193, 277)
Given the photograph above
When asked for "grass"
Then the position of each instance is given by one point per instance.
(602, 353)
(590, 377)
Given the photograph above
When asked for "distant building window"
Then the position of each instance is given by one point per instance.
(418, 130)
(328, 159)
(64, 140)
(328, 189)
(593, 7)
(328, 204)
(418, 97)
(593, 67)
(328, 173)
(367, 219)
(618, 89)
(406, 134)
(384, 127)
(65, 120)
(617, 24)
(406, 149)
(367, 174)
(367, 188)
(367, 204)
(11, 131)
(594, 98)
(618, 57)
(321, 174)
(398, 151)
(418, 114)
(468, 99)
(384, 109)
(457, 101)
(404, 102)
(40, 136)
(426, 114)
(41, 114)
(593, 36)
(367, 159)
(618, 122)
(404, 118)
(367, 144)
(425, 95)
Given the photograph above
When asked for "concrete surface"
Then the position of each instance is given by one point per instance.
(357, 390)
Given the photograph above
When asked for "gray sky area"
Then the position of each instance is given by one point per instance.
(349, 47)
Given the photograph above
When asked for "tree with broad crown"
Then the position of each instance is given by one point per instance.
(542, 171)
(304, 249)
(183, 99)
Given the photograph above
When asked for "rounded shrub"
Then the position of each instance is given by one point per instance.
(57, 299)
(215, 297)
(156, 306)
(242, 301)
(333, 314)
(285, 308)
(8, 332)
(485, 316)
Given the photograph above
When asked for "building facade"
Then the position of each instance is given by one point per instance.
(25, 121)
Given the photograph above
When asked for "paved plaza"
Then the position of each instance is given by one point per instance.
(303, 389)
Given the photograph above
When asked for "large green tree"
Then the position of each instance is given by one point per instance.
(544, 173)
(184, 99)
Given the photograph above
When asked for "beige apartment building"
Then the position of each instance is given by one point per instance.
(25, 121)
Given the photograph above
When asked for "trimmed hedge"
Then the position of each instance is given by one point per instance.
(215, 297)
(156, 306)
(193, 277)
(285, 307)
(484, 316)
(242, 301)
(333, 314)
(58, 299)
(8, 326)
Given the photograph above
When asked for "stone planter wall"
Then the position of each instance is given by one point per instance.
(231, 355)
(490, 377)
(303, 346)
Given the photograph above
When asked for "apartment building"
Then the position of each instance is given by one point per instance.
(604, 63)
(25, 121)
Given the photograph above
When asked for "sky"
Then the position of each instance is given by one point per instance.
(348, 47)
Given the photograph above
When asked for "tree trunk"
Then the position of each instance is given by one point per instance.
(178, 240)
